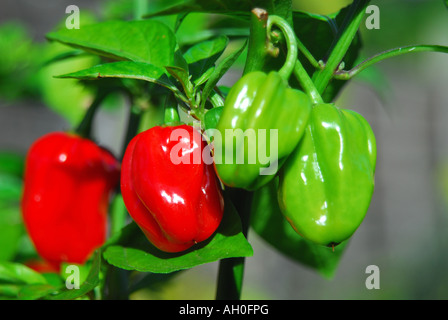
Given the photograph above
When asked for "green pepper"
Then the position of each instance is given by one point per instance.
(327, 183)
(262, 121)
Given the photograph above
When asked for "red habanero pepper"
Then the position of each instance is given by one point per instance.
(174, 199)
(67, 184)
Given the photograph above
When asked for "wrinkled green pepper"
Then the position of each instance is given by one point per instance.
(246, 156)
(327, 183)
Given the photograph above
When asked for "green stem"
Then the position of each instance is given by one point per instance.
(118, 214)
(116, 285)
(135, 114)
(84, 129)
(291, 57)
(140, 9)
(346, 75)
(307, 54)
(258, 41)
(171, 112)
(322, 78)
(306, 83)
(231, 270)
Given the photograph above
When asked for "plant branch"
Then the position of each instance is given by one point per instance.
(321, 78)
(347, 75)
(306, 83)
(84, 129)
(307, 54)
(231, 270)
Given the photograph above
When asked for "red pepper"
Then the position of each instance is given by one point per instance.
(176, 205)
(68, 181)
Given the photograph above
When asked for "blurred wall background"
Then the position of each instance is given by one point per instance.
(405, 232)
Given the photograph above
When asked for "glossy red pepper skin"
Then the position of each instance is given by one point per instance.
(67, 184)
(175, 205)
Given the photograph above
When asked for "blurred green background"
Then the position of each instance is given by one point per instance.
(405, 99)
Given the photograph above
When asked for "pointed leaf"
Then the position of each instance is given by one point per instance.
(219, 72)
(202, 56)
(141, 41)
(138, 254)
(18, 273)
(35, 291)
(124, 69)
(182, 76)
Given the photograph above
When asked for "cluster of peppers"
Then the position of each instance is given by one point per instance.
(325, 161)
(326, 156)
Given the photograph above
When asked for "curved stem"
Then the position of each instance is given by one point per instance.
(288, 67)
(346, 75)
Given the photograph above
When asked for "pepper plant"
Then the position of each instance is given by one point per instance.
(164, 216)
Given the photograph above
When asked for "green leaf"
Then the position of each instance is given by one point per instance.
(11, 230)
(232, 7)
(204, 77)
(152, 281)
(124, 69)
(17, 273)
(141, 41)
(182, 76)
(64, 55)
(202, 56)
(20, 59)
(269, 223)
(179, 60)
(11, 226)
(219, 71)
(67, 98)
(12, 163)
(10, 188)
(9, 291)
(135, 252)
(35, 291)
(283, 8)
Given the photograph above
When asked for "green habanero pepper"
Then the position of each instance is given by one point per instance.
(262, 121)
(327, 183)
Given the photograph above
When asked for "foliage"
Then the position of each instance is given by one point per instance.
(159, 53)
